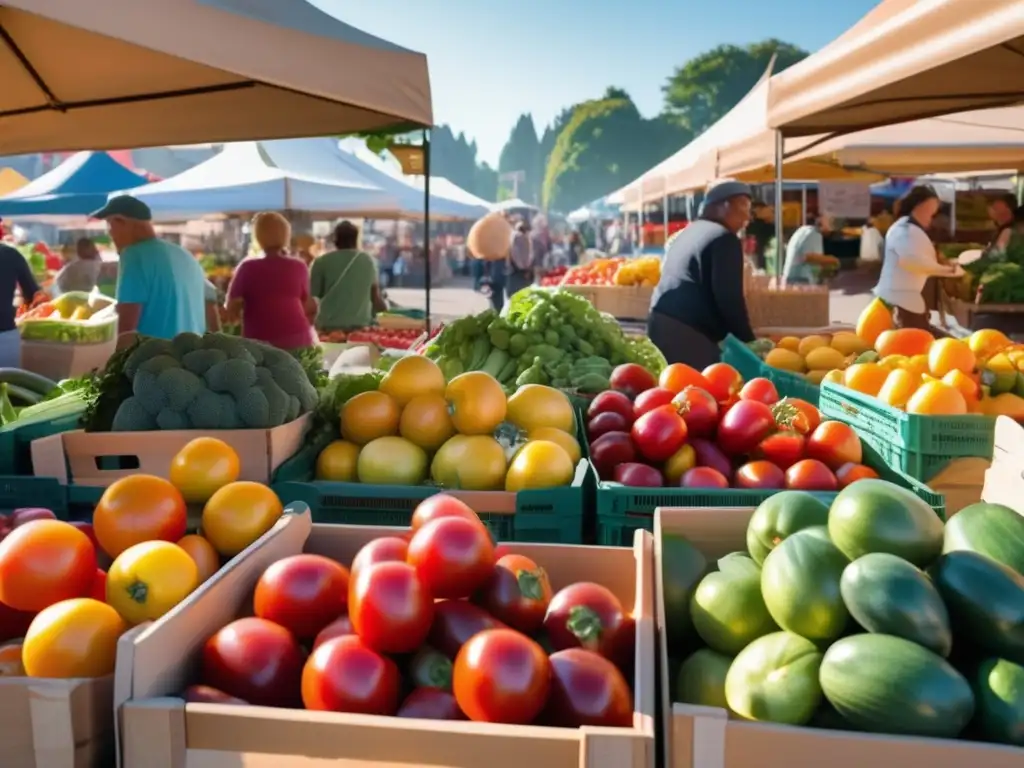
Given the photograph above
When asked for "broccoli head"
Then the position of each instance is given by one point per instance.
(186, 342)
(202, 360)
(171, 420)
(180, 386)
(277, 399)
(131, 416)
(256, 349)
(210, 411)
(147, 393)
(147, 349)
(233, 376)
(254, 409)
(232, 346)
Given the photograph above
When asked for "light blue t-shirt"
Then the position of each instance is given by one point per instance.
(169, 284)
(805, 240)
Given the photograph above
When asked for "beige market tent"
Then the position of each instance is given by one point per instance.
(906, 60)
(109, 74)
(10, 181)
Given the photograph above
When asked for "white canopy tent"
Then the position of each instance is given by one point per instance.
(111, 74)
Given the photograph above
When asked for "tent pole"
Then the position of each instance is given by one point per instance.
(803, 204)
(780, 237)
(426, 221)
(952, 212)
(664, 216)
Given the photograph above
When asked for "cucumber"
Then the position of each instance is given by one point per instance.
(20, 396)
(28, 380)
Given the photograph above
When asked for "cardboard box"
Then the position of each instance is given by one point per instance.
(64, 361)
(158, 730)
(705, 737)
(79, 457)
(1004, 480)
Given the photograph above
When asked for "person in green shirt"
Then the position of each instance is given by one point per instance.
(344, 283)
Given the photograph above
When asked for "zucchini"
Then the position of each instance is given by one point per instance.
(23, 396)
(28, 380)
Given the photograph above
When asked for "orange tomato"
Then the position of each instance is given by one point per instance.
(238, 514)
(904, 341)
(202, 552)
(966, 384)
(934, 398)
(851, 473)
(138, 508)
(73, 638)
(478, 403)
(426, 422)
(948, 355)
(866, 377)
(202, 466)
(43, 562)
(10, 661)
(875, 319)
(367, 416)
(898, 387)
(678, 376)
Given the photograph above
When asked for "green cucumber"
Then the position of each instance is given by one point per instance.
(999, 693)
(28, 380)
(22, 396)
(888, 596)
(988, 529)
(985, 601)
(885, 684)
(782, 515)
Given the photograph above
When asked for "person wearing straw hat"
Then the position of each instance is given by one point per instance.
(699, 299)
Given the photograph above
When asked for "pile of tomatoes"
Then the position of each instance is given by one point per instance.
(437, 624)
(69, 590)
(710, 429)
(382, 337)
(553, 277)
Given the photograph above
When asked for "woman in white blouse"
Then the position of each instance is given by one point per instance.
(910, 259)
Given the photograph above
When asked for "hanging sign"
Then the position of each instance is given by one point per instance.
(410, 157)
(844, 199)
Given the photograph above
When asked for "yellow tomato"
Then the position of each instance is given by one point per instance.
(470, 463)
(679, 463)
(412, 376)
(369, 415)
(426, 422)
(337, 462)
(147, 580)
(202, 552)
(73, 638)
(539, 464)
(202, 466)
(238, 514)
(534, 405)
(477, 403)
(934, 398)
(563, 440)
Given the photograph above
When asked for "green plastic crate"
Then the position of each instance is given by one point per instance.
(16, 492)
(623, 510)
(918, 446)
(742, 358)
(82, 500)
(16, 441)
(789, 384)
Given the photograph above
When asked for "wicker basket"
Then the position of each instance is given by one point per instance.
(795, 306)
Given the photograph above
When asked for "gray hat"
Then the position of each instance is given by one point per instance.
(126, 206)
(725, 189)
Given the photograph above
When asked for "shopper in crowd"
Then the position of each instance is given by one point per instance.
(304, 248)
(806, 250)
(910, 259)
(762, 229)
(521, 261)
(574, 247)
(82, 273)
(344, 282)
(160, 285)
(270, 289)
(15, 274)
(699, 299)
(1002, 211)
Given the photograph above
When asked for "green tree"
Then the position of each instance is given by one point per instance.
(454, 157)
(522, 153)
(605, 144)
(707, 86)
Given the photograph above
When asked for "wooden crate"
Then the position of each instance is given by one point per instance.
(803, 306)
(625, 302)
(964, 311)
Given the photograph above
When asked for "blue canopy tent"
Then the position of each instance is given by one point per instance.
(76, 187)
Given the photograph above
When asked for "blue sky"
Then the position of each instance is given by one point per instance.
(491, 61)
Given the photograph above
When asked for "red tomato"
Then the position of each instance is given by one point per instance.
(302, 593)
(724, 381)
(784, 449)
(632, 379)
(339, 627)
(851, 473)
(610, 450)
(586, 615)
(501, 676)
(430, 669)
(587, 689)
(455, 622)
(453, 556)
(441, 505)
(638, 475)
(518, 593)
(810, 475)
(761, 390)
(744, 426)
(44, 562)
(204, 694)
(28, 514)
(346, 675)
(430, 704)
(679, 376)
(14, 624)
(659, 433)
(383, 550)
(390, 607)
(834, 443)
(606, 422)
(796, 414)
(698, 409)
(86, 528)
(704, 477)
(650, 399)
(611, 402)
(762, 475)
(254, 660)
(99, 586)
(710, 455)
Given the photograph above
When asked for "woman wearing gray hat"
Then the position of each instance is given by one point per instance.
(699, 299)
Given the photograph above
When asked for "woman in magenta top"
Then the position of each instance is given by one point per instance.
(271, 291)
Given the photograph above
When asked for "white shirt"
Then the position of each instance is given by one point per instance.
(908, 263)
(871, 244)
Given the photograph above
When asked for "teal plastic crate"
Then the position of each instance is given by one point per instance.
(16, 440)
(742, 358)
(918, 446)
(789, 384)
(622, 510)
(17, 492)
(82, 500)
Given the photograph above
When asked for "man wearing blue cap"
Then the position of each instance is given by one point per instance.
(160, 286)
(699, 299)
